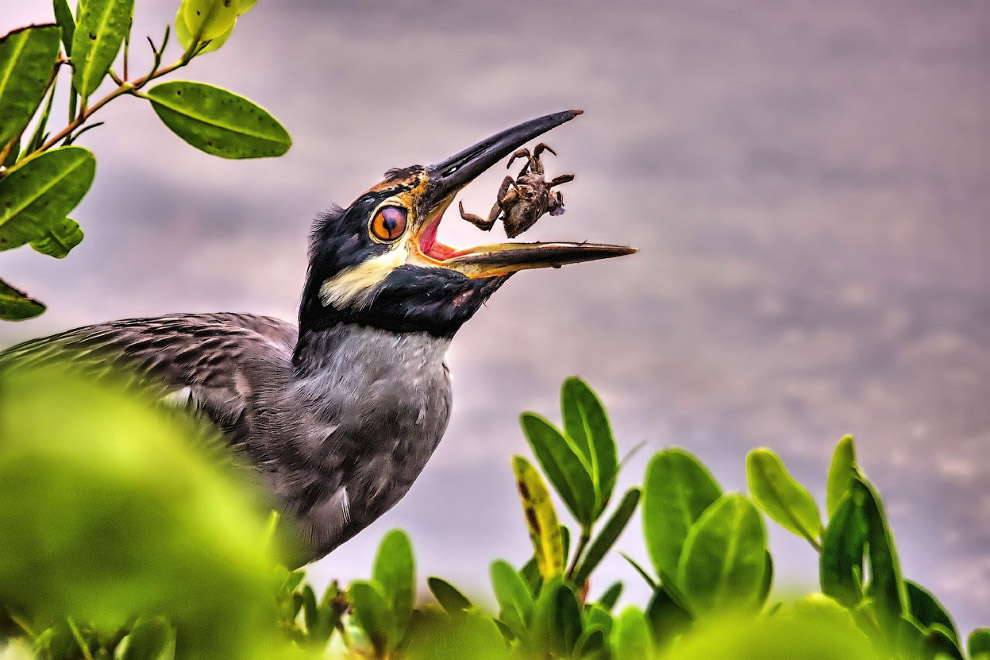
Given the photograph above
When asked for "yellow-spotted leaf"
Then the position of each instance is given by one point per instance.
(541, 518)
(208, 19)
(217, 121)
(36, 196)
(59, 239)
(781, 497)
(27, 57)
(15, 305)
(96, 40)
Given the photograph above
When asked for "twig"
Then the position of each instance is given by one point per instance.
(125, 88)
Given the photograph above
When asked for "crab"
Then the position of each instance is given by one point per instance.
(524, 200)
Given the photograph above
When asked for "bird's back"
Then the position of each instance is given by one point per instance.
(207, 362)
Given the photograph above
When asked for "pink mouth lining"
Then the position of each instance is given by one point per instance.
(431, 247)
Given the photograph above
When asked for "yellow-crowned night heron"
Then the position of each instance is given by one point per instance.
(340, 415)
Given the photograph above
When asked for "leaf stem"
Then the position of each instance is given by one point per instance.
(582, 544)
(22, 623)
(83, 646)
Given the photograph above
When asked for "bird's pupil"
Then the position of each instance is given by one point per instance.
(389, 223)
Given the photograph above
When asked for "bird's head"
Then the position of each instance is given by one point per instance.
(378, 262)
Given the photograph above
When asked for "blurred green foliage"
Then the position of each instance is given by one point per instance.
(42, 177)
(128, 532)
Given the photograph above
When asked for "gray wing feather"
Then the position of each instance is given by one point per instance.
(208, 362)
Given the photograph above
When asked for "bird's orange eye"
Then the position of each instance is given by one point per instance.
(389, 223)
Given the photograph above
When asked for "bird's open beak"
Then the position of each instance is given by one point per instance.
(445, 179)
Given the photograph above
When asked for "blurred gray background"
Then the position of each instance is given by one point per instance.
(808, 184)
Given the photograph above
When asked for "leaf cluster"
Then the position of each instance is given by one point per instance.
(126, 538)
(42, 176)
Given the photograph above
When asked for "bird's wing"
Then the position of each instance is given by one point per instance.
(206, 362)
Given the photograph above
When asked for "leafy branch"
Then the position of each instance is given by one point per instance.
(36, 191)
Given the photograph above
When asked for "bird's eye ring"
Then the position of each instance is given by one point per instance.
(389, 223)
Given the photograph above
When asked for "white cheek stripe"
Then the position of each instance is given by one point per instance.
(359, 284)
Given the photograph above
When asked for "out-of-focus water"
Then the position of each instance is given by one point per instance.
(808, 184)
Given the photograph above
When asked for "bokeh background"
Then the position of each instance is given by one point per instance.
(807, 182)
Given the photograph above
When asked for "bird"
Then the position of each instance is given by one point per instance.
(339, 414)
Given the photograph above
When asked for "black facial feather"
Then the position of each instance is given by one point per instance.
(410, 299)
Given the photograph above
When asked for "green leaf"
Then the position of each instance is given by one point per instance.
(640, 570)
(767, 580)
(781, 497)
(631, 637)
(309, 608)
(611, 596)
(530, 573)
(724, 559)
(608, 536)
(886, 585)
(12, 155)
(185, 37)
(449, 597)
(511, 592)
(217, 121)
(60, 238)
(676, 491)
(562, 466)
(667, 617)
(596, 616)
(841, 562)
(586, 425)
(978, 644)
(371, 609)
(840, 473)
(99, 33)
(541, 519)
(27, 58)
(66, 23)
(395, 572)
(591, 645)
(557, 620)
(39, 136)
(927, 610)
(941, 643)
(209, 19)
(153, 639)
(37, 194)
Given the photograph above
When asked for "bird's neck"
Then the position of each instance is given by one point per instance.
(340, 348)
